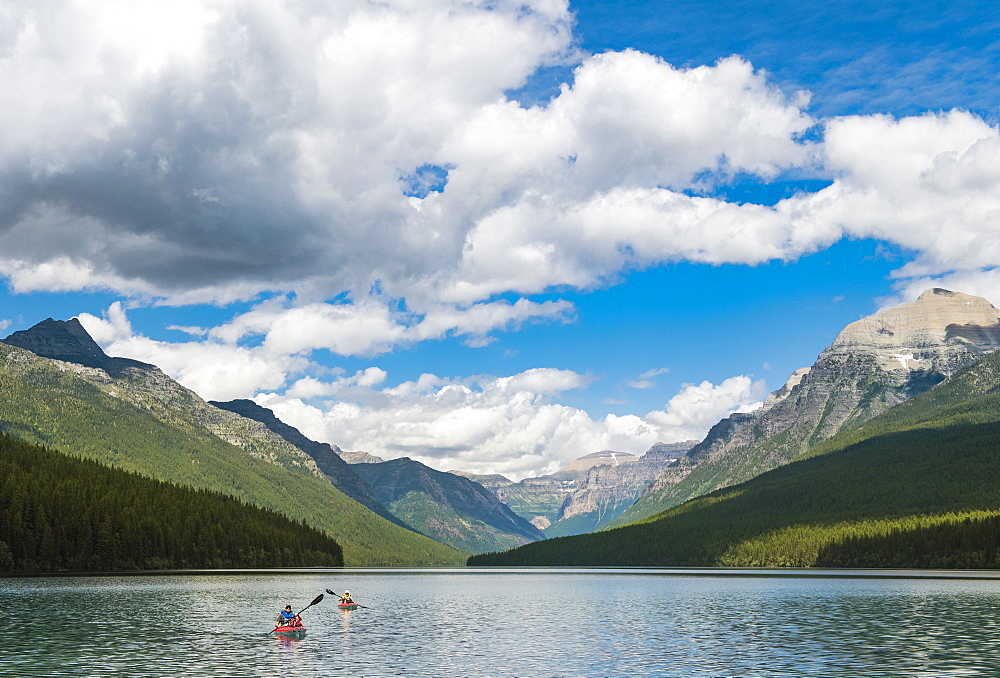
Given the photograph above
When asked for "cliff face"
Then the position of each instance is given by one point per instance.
(873, 364)
(604, 491)
(586, 493)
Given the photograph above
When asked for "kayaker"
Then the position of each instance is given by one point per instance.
(346, 598)
(287, 617)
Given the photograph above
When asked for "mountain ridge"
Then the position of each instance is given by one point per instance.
(327, 457)
(926, 468)
(447, 507)
(872, 365)
(143, 421)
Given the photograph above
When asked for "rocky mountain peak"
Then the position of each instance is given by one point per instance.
(668, 451)
(69, 341)
(938, 323)
(599, 459)
(873, 364)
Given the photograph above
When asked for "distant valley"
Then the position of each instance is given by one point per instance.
(587, 493)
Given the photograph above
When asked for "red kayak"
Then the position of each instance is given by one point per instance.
(289, 630)
(347, 606)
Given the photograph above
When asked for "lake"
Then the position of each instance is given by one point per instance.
(505, 623)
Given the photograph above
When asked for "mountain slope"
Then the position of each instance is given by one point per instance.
(140, 420)
(64, 513)
(929, 464)
(872, 365)
(327, 457)
(537, 499)
(447, 507)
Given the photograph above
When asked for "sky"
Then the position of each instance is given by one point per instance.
(492, 236)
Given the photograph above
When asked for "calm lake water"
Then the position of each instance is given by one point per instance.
(475, 623)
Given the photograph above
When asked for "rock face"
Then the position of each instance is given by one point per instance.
(586, 493)
(327, 457)
(358, 457)
(602, 458)
(449, 508)
(604, 491)
(67, 340)
(873, 364)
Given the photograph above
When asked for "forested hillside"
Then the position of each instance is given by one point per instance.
(84, 412)
(62, 513)
(867, 497)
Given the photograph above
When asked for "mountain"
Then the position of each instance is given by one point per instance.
(446, 507)
(138, 419)
(604, 490)
(328, 458)
(602, 458)
(69, 341)
(358, 457)
(874, 364)
(912, 487)
(586, 493)
(537, 500)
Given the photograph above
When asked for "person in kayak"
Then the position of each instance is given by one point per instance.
(288, 618)
(346, 599)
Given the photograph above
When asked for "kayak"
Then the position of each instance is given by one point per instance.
(296, 630)
(347, 606)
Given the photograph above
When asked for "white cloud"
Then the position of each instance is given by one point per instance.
(510, 425)
(214, 150)
(930, 184)
(219, 367)
(371, 326)
(214, 370)
(697, 407)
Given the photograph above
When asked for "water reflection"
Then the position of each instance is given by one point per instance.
(580, 623)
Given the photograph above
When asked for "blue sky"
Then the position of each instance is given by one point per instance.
(594, 225)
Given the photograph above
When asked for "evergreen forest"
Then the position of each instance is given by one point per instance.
(60, 513)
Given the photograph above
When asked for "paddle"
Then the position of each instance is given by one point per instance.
(334, 593)
(315, 600)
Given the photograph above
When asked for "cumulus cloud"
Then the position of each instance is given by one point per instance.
(241, 147)
(217, 150)
(213, 150)
(254, 142)
(511, 425)
(215, 370)
(269, 346)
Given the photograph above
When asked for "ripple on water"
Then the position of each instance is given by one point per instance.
(479, 624)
